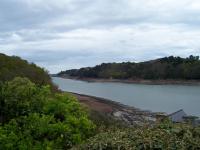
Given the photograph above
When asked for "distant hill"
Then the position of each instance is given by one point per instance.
(163, 68)
(13, 66)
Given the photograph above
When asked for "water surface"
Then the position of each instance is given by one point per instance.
(157, 98)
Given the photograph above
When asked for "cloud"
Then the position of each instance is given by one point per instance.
(66, 34)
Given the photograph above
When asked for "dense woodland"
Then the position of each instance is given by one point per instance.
(33, 117)
(164, 68)
(12, 66)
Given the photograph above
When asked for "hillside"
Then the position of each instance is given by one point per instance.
(13, 66)
(176, 68)
(34, 117)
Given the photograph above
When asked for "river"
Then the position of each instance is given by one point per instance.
(157, 98)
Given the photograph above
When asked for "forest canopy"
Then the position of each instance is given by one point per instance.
(13, 66)
(163, 68)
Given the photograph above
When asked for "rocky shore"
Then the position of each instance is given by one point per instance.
(124, 113)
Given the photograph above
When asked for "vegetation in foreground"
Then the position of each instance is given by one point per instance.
(164, 68)
(33, 117)
(162, 136)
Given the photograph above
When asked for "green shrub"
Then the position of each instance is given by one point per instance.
(20, 97)
(160, 137)
(35, 118)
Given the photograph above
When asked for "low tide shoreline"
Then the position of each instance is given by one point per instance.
(126, 114)
(137, 81)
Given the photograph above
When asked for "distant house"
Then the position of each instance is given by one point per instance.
(177, 116)
(180, 116)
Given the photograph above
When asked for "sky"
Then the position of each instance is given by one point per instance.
(66, 34)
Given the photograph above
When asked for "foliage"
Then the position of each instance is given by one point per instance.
(164, 68)
(160, 137)
(34, 118)
(20, 97)
(11, 67)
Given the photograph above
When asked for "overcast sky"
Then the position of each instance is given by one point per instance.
(65, 34)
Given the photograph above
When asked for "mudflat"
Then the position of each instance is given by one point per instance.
(127, 114)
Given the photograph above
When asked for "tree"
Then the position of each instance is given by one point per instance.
(13, 66)
(20, 97)
(163, 68)
(35, 118)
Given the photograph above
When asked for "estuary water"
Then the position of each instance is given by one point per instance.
(156, 98)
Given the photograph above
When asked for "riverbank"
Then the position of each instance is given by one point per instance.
(137, 81)
(111, 109)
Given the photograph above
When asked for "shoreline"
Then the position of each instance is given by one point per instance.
(124, 113)
(136, 81)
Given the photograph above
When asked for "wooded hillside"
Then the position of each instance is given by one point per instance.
(13, 66)
(163, 68)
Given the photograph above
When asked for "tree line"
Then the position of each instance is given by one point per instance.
(13, 66)
(163, 68)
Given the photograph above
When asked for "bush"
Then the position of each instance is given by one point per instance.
(160, 137)
(20, 97)
(35, 118)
